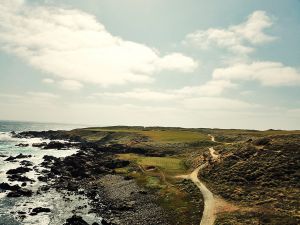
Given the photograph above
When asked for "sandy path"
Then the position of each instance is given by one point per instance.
(209, 213)
(208, 217)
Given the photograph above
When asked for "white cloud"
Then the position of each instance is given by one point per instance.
(139, 94)
(210, 88)
(73, 45)
(177, 61)
(267, 73)
(217, 103)
(43, 95)
(11, 5)
(48, 81)
(239, 39)
(71, 85)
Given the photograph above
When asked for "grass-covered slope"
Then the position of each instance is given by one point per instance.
(258, 170)
(263, 174)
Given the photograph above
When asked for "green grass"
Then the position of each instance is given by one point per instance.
(159, 135)
(174, 196)
(166, 164)
(175, 136)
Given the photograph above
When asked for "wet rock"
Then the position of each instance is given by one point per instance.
(17, 177)
(44, 188)
(19, 170)
(19, 193)
(22, 145)
(39, 145)
(42, 178)
(2, 156)
(38, 210)
(20, 156)
(58, 145)
(26, 163)
(75, 220)
(10, 159)
(6, 187)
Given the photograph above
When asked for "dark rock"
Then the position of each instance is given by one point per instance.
(19, 193)
(20, 156)
(75, 220)
(42, 178)
(39, 145)
(26, 163)
(22, 145)
(6, 186)
(38, 210)
(58, 145)
(10, 159)
(44, 188)
(17, 177)
(19, 170)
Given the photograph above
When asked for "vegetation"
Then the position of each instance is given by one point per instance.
(263, 173)
(181, 198)
(258, 170)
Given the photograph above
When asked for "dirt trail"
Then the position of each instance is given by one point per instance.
(213, 154)
(212, 138)
(209, 213)
(208, 217)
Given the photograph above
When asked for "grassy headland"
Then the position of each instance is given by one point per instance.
(258, 171)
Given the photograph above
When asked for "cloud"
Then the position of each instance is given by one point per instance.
(177, 61)
(32, 100)
(139, 94)
(210, 88)
(267, 73)
(48, 81)
(71, 85)
(239, 39)
(42, 95)
(217, 103)
(73, 45)
(190, 99)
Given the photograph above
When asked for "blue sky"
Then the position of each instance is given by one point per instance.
(194, 63)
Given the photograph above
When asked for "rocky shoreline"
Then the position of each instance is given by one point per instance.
(90, 173)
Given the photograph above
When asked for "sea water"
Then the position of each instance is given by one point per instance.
(11, 209)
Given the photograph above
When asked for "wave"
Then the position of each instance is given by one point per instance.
(6, 136)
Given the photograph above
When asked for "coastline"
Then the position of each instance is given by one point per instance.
(89, 173)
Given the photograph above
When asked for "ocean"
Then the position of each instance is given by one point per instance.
(15, 211)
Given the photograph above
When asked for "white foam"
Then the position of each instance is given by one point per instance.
(60, 209)
(5, 136)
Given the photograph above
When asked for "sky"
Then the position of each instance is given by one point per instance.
(192, 63)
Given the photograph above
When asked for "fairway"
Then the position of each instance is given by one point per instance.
(160, 136)
(167, 164)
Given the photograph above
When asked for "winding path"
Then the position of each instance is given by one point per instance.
(209, 215)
